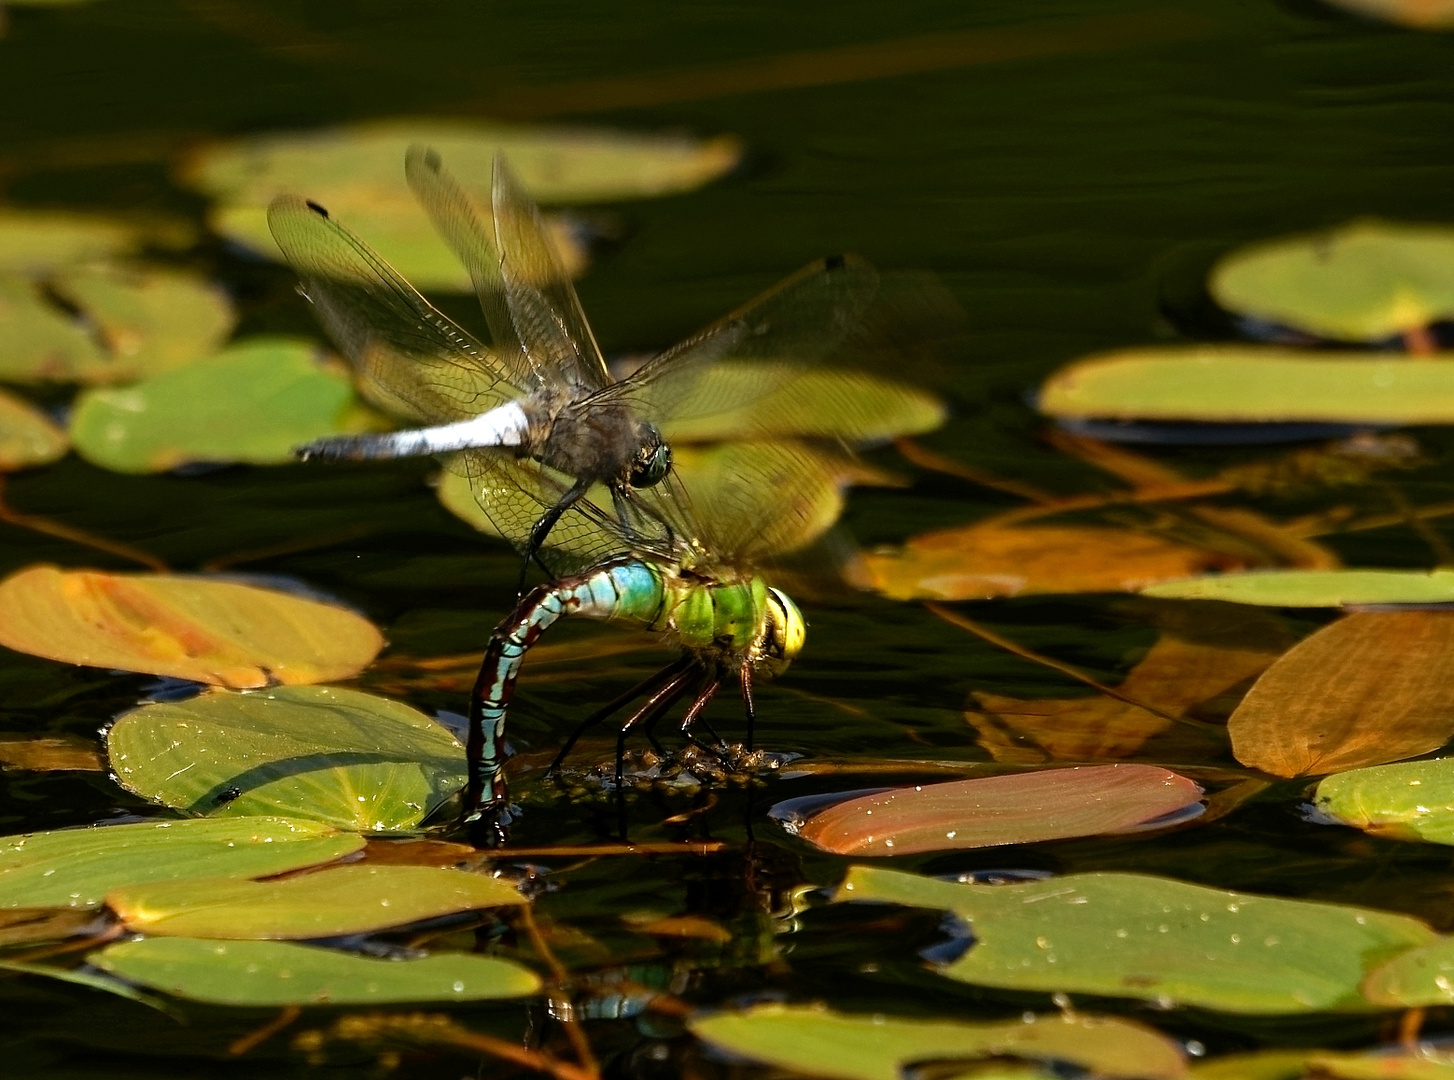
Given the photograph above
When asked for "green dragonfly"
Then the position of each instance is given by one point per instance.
(697, 581)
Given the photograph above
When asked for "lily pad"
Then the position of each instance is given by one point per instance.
(1023, 808)
(38, 241)
(207, 630)
(254, 402)
(358, 173)
(27, 436)
(817, 1041)
(1419, 977)
(77, 867)
(1364, 281)
(976, 562)
(356, 899)
(275, 973)
(1417, 14)
(1133, 935)
(339, 756)
(1249, 383)
(1314, 588)
(1370, 688)
(1411, 800)
(105, 324)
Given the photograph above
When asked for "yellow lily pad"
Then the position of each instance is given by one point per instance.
(354, 899)
(207, 630)
(350, 759)
(1364, 281)
(39, 241)
(76, 868)
(27, 436)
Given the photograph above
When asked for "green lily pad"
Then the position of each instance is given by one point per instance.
(1410, 800)
(356, 899)
(1419, 977)
(37, 241)
(1252, 384)
(253, 402)
(817, 1041)
(1314, 588)
(358, 173)
(131, 323)
(1132, 935)
(77, 867)
(276, 973)
(1363, 281)
(350, 759)
(27, 436)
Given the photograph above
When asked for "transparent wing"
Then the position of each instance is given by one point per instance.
(471, 235)
(410, 359)
(542, 302)
(798, 322)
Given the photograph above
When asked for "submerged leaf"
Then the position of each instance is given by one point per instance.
(77, 867)
(1413, 800)
(356, 899)
(1249, 383)
(275, 973)
(1369, 688)
(1315, 588)
(816, 1041)
(254, 402)
(976, 562)
(1419, 977)
(1364, 281)
(1132, 935)
(38, 241)
(27, 436)
(51, 754)
(206, 630)
(1023, 808)
(89, 979)
(353, 760)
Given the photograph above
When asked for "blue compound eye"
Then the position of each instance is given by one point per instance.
(652, 466)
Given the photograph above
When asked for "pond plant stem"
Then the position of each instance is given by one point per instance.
(259, 1035)
(559, 979)
(47, 527)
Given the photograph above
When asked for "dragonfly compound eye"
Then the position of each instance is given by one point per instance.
(786, 631)
(651, 466)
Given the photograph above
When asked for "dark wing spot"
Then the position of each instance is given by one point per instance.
(832, 262)
(317, 209)
(431, 158)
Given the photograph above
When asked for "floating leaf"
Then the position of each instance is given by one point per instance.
(207, 630)
(275, 973)
(1369, 688)
(1131, 935)
(51, 754)
(106, 324)
(848, 405)
(254, 402)
(357, 172)
(1315, 588)
(77, 867)
(816, 1041)
(975, 562)
(1418, 14)
(1023, 808)
(1202, 654)
(1258, 1065)
(1413, 800)
(1419, 977)
(357, 899)
(1248, 383)
(1364, 281)
(36, 241)
(24, 926)
(27, 436)
(344, 757)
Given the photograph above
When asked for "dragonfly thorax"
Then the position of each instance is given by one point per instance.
(594, 440)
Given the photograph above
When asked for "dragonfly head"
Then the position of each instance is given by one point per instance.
(784, 631)
(653, 460)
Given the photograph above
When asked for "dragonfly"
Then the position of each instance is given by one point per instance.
(541, 389)
(697, 580)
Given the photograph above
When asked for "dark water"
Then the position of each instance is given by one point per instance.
(1069, 172)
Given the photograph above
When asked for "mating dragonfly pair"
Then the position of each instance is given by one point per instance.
(571, 464)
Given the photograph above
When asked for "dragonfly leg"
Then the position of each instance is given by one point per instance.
(693, 714)
(541, 528)
(647, 685)
(654, 706)
(747, 702)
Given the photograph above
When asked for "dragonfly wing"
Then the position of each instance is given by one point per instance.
(793, 325)
(409, 358)
(472, 237)
(543, 305)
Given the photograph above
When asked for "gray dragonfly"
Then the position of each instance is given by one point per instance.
(537, 409)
